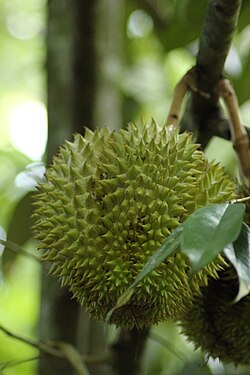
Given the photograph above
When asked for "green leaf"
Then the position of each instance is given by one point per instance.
(238, 254)
(209, 230)
(171, 244)
(19, 229)
(73, 356)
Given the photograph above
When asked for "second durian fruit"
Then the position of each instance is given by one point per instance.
(217, 325)
(109, 201)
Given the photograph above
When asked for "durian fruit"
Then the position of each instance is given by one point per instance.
(109, 201)
(216, 325)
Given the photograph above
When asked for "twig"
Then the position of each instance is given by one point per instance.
(73, 357)
(52, 347)
(36, 344)
(238, 133)
(17, 362)
(12, 246)
(178, 353)
(185, 85)
(96, 359)
(240, 200)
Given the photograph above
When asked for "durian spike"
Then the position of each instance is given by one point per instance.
(184, 86)
(238, 133)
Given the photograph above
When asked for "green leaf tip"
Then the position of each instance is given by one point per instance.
(209, 230)
(238, 253)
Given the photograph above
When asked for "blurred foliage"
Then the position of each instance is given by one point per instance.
(19, 312)
(161, 43)
(22, 54)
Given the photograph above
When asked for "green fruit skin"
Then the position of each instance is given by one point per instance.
(216, 325)
(108, 201)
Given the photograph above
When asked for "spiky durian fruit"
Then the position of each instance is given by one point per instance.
(218, 326)
(109, 201)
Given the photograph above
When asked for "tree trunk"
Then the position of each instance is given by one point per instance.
(59, 313)
(81, 38)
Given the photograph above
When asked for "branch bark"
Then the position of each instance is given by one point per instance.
(203, 115)
(215, 41)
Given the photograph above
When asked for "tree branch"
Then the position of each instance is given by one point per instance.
(53, 348)
(15, 248)
(215, 41)
(7, 364)
(36, 344)
(203, 115)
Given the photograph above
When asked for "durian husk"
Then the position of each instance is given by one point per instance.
(217, 325)
(108, 201)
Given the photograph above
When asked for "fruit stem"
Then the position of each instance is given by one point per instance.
(127, 351)
(239, 135)
(184, 86)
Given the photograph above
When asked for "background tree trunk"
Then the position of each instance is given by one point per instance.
(82, 44)
(59, 313)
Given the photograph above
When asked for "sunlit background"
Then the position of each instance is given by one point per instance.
(149, 79)
(23, 136)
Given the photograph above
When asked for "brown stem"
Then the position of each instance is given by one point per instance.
(238, 133)
(186, 84)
